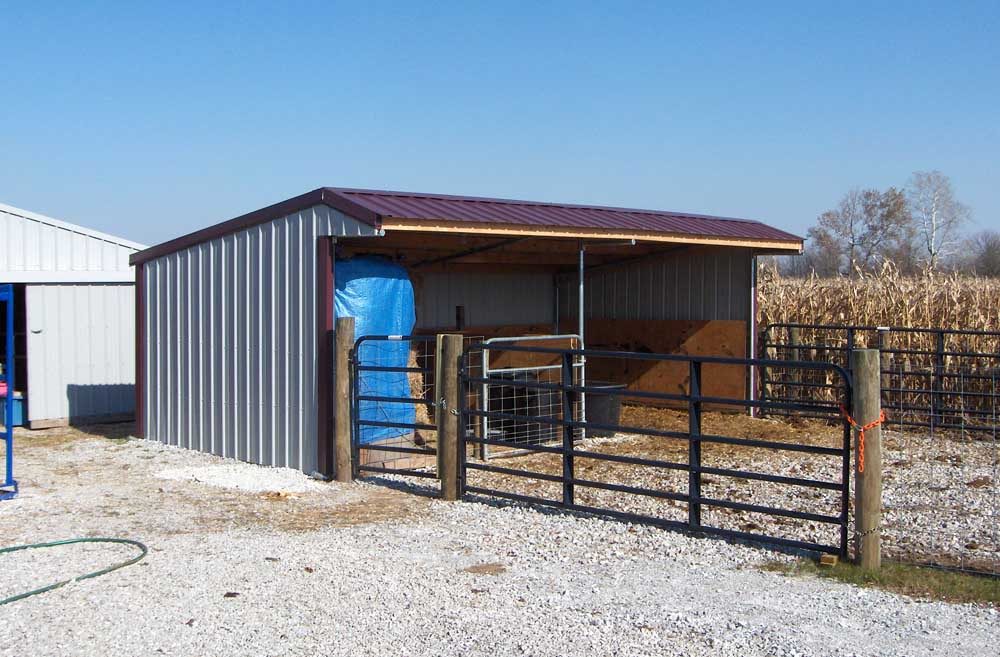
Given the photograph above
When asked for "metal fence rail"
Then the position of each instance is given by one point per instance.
(571, 478)
(393, 433)
(938, 379)
(941, 394)
(508, 397)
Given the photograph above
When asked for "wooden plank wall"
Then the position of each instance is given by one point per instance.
(699, 338)
(696, 338)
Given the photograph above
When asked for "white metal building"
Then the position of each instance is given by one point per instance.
(236, 320)
(74, 319)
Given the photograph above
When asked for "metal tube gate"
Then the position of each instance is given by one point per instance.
(8, 488)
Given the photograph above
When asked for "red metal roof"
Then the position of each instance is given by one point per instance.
(374, 207)
(471, 209)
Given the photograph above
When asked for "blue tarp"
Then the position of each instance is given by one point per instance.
(379, 295)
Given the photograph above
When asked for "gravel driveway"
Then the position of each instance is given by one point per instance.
(246, 560)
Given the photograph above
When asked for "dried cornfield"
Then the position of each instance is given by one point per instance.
(884, 298)
(940, 389)
(939, 368)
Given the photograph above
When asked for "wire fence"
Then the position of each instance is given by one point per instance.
(394, 429)
(394, 404)
(941, 394)
(508, 390)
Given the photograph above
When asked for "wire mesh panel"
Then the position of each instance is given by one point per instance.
(689, 458)
(941, 395)
(510, 390)
(941, 492)
(393, 391)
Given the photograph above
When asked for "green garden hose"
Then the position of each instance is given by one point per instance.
(69, 541)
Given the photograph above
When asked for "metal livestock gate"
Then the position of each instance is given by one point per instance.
(389, 435)
(823, 502)
(941, 396)
(8, 487)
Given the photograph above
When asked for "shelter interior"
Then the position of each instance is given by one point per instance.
(487, 286)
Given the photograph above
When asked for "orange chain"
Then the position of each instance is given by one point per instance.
(861, 433)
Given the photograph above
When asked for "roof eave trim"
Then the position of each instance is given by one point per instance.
(792, 245)
(320, 196)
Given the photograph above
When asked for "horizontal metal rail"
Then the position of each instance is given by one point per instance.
(397, 449)
(365, 360)
(890, 329)
(690, 442)
(528, 435)
(396, 425)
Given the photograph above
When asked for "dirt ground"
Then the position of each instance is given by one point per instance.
(253, 560)
(77, 472)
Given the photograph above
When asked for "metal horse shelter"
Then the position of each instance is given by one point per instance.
(234, 322)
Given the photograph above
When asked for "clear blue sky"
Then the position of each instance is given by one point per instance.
(150, 121)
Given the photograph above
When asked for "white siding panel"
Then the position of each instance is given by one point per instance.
(81, 356)
(39, 249)
(231, 360)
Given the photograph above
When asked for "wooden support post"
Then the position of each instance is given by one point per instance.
(344, 342)
(866, 407)
(449, 353)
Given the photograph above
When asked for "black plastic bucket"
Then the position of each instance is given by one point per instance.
(604, 407)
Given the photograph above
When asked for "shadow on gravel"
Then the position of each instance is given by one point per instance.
(413, 486)
(543, 509)
(424, 488)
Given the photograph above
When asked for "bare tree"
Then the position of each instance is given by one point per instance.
(856, 234)
(983, 253)
(937, 214)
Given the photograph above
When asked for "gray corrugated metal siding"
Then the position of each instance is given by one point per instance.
(490, 298)
(231, 341)
(702, 284)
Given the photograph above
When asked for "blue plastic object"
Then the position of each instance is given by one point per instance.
(379, 295)
(18, 415)
(8, 487)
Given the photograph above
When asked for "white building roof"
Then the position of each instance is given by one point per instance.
(39, 249)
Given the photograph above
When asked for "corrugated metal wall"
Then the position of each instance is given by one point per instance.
(38, 249)
(490, 298)
(81, 350)
(231, 341)
(702, 284)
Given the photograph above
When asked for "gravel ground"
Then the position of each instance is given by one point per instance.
(365, 569)
(941, 496)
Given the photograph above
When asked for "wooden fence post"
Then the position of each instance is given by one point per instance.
(344, 342)
(866, 407)
(449, 351)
